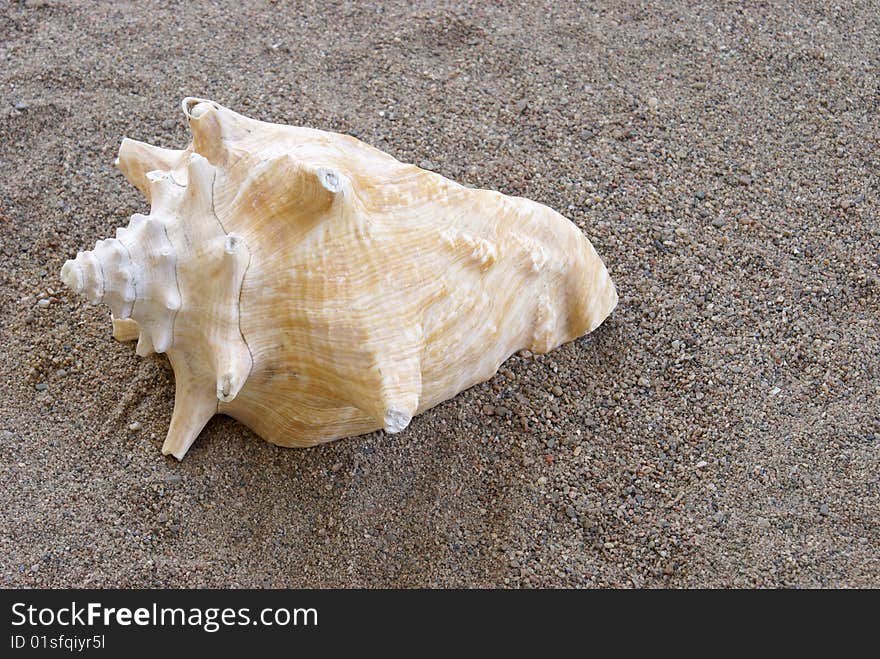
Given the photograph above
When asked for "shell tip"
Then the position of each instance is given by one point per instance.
(72, 276)
(396, 420)
(191, 412)
(330, 179)
(144, 346)
(194, 107)
(179, 454)
(231, 245)
(228, 386)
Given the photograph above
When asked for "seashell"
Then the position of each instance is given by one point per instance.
(314, 287)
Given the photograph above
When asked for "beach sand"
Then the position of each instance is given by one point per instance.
(721, 429)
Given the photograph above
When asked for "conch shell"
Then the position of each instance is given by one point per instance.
(314, 287)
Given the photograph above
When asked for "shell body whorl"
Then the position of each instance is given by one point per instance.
(314, 287)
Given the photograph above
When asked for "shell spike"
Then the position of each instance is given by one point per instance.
(163, 336)
(396, 420)
(211, 126)
(230, 381)
(162, 191)
(136, 159)
(285, 187)
(200, 189)
(194, 108)
(192, 411)
(194, 405)
(144, 345)
(399, 393)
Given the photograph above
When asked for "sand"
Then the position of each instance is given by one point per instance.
(720, 429)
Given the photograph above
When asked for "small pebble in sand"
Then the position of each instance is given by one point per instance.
(43, 302)
(42, 386)
(134, 426)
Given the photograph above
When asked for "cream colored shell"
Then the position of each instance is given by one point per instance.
(314, 287)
